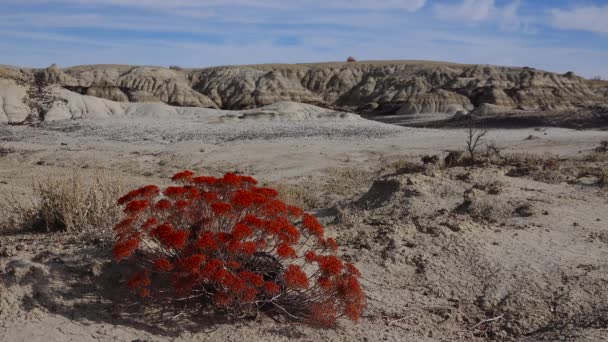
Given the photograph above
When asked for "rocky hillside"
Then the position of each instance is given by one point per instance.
(402, 87)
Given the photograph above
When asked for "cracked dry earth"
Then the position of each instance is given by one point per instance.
(448, 254)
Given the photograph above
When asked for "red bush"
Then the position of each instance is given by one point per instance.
(351, 59)
(237, 245)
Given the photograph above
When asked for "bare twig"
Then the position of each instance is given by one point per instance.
(395, 321)
(487, 321)
(474, 141)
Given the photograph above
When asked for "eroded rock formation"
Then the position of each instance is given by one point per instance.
(366, 87)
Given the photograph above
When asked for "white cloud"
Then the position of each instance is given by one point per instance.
(592, 18)
(424, 45)
(476, 11)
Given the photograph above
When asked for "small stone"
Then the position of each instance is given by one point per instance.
(545, 212)
(525, 210)
(575, 224)
(96, 269)
(20, 247)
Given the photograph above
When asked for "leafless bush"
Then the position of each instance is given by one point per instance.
(454, 158)
(475, 139)
(176, 67)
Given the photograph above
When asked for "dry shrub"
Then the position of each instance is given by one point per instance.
(75, 202)
(603, 179)
(403, 166)
(236, 246)
(475, 140)
(596, 157)
(523, 159)
(344, 180)
(479, 208)
(491, 187)
(349, 216)
(299, 195)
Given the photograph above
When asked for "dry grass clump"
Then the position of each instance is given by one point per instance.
(335, 183)
(602, 181)
(76, 202)
(299, 195)
(403, 166)
(344, 180)
(596, 157)
(603, 147)
(523, 159)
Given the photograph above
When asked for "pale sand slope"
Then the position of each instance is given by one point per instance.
(70, 105)
(429, 275)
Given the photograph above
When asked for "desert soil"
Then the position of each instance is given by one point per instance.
(492, 252)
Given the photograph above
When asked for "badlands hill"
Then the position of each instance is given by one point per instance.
(371, 88)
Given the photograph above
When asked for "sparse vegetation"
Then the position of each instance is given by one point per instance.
(475, 139)
(603, 179)
(603, 147)
(77, 202)
(237, 246)
(299, 195)
(343, 180)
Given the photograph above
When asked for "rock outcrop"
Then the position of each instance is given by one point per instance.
(69, 105)
(12, 102)
(403, 87)
(440, 101)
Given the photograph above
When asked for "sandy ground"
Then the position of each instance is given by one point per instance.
(444, 258)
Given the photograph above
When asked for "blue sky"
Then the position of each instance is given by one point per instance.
(556, 35)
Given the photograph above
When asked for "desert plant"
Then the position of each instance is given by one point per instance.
(603, 147)
(175, 67)
(298, 195)
(475, 139)
(602, 180)
(351, 59)
(236, 246)
(75, 202)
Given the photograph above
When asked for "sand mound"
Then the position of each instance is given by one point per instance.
(288, 111)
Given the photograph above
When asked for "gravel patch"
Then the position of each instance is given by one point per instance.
(179, 131)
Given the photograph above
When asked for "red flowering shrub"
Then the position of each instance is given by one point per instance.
(237, 245)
